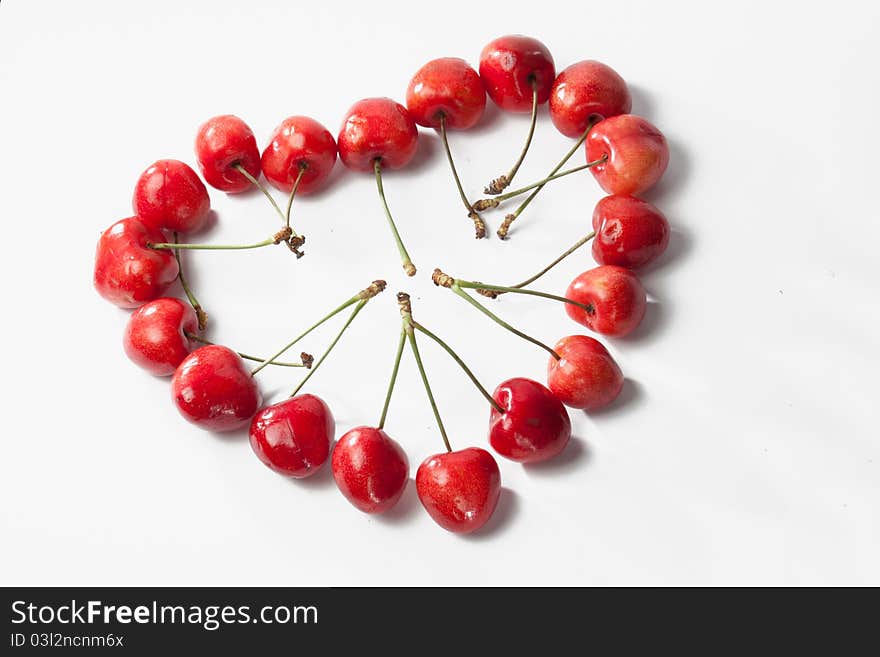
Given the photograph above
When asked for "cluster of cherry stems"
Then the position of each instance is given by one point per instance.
(211, 386)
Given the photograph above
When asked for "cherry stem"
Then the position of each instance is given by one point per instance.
(408, 328)
(391, 383)
(479, 224)
(201, 315)
(461, 364)
(541, 183)
(305, 333)
(364, 295)
(574, 247)
(500, 184)
(476, 304)
(510, 218)
(256, 183)
(473, 285)
(306, 358)
(405, 260)
(211, 247)
(302, 170)
(357, 309)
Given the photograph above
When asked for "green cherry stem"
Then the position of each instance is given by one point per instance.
(463, 366)
(302, 170)
(502, 182)
(498, 200)
(510, 218)
(201, 315)
(574, 247)
(444, 280)
(369, 292)
(405, 260)
(479, 224)
(256, 183)
(474, 285)
(406, 313)
(306, 358)
(391, 383)
(357, 309)
(213, 247)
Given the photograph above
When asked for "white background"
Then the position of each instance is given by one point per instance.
(745, 447)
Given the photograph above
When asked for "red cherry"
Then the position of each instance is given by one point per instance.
(446, 87)
(377, 129)
(299, 143)
(459, 490)
(370, 469)
(535, 425)
(616, 296)
(637, 154)
(170, 195)
(585, 91)
(155, 336)
(630, 232)
(293, 437)
(585, 376)
(214, 390)
(221, 143)
(510, 65)
(127, 272)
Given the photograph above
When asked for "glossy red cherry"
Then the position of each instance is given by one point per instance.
(584, 91)
(155, 336)
(585, 376)
(535, 425)
(127, 272)
(637, 154)
(630, 232)
(616, 296)
(370, 469)
(293, 437)
(459, 490)
(169, 195)
(377, 129)
(299, 143)
(510, 65)
(221, 143)
(446, 87)
(214, 390)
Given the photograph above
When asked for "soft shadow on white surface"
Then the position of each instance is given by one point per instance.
(630, 398)
(504, 516)
(576, 455)
(407, 508)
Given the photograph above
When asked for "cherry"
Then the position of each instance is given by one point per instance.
(169, 195)
(585, 376)
(293, 437)
(630, 232)
(370, 469)
(377, 129)
(128, 272)
(227, 150)
(214, 390)
(446, 89)
(637, 154)
(586, 91)
(511, 67)
(460, 489)
(616, 296)
(378, 133)
(300, 148)
(155, 336)
(534, 425)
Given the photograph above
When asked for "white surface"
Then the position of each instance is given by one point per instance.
(746, 448)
